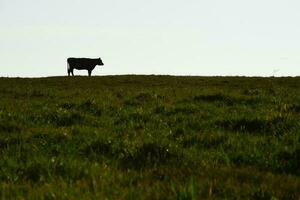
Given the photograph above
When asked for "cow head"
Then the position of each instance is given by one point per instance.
(99, 61)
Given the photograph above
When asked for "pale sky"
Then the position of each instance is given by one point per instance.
(176, 37)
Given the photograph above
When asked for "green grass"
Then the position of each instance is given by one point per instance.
(150, 137)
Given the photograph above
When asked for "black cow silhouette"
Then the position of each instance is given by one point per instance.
(83, 63)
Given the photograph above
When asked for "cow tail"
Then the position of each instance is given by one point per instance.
(68, 68)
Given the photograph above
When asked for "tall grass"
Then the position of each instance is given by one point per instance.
(149, 137)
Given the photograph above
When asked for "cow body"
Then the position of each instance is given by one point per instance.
(83, 63)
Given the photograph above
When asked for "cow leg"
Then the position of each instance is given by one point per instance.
(72, 71)
(69, 72)
(90, 72)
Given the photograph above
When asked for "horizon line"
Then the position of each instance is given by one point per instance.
(177, 75)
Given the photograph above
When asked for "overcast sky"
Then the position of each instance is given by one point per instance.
(177, 37)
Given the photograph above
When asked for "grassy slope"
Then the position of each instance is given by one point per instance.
(150, 137)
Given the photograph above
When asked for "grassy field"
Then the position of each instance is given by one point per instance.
(150, 137)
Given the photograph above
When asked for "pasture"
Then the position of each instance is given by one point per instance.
(149, 137)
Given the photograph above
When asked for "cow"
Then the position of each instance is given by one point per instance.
(83, 63)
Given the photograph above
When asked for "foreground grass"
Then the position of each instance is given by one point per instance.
(150, 137)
